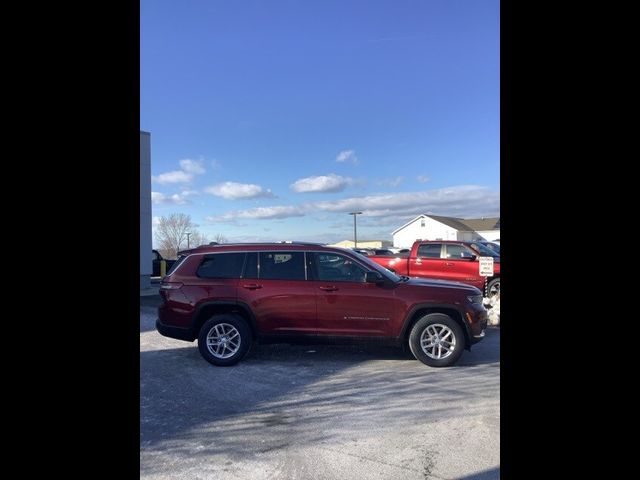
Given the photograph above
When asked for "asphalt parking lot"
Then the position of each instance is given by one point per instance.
(321, 412)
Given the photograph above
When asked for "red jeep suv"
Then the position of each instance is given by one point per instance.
(230, 296)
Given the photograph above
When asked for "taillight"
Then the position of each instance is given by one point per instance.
(170, 286)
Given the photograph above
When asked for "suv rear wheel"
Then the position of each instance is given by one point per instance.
(437, 340)
(224, 339)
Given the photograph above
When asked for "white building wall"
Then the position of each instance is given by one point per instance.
(146, 265)
(432, 230)
(466, 236)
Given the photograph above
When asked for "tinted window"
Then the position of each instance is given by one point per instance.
(282, 265)
(430, 250)
(221, 265)
(455, 251)
(251, 267)
(331, 267)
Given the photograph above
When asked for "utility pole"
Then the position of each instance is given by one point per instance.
(355, 231)
(188, 233)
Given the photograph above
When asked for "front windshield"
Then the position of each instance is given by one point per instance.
(374, 266)
(485, 251)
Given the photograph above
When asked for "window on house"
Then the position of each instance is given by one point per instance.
(422, 222)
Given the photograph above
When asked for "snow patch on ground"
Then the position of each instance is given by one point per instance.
(493, 306)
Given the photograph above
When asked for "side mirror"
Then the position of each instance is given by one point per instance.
(467, 256)
(373, 277)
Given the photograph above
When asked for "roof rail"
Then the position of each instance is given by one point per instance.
(301, 243)
(288, 242)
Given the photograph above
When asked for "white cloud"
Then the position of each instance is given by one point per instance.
(235, 191)
(162, 199)
(194, 167)
(188, 193)
(260, 213)
(462, 200)
(391, 182)
(347, 156)
(459, 201)
(321, 183)
(155, 221)
(177, 176)
(423, 178)
(190, 168)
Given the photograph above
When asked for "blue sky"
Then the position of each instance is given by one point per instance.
(271, 120)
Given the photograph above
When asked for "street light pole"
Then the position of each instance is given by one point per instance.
(355, 231)
(188, 233)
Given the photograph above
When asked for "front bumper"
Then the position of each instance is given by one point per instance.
(477, 321)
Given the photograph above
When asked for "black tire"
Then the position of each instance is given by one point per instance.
(437, 322)
(493, 286)
(225, 326)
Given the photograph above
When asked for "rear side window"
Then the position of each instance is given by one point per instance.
(455, 251)
(221, 265)
(282, 265)
(430, 250)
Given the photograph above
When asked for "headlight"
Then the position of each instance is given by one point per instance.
(475, 299)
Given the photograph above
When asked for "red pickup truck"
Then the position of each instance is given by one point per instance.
(445, 260)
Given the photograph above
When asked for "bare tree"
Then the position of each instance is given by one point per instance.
(219, 238)
(196, 239)
(171, 234)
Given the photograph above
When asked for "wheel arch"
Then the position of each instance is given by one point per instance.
(206, 310)
(419, 311)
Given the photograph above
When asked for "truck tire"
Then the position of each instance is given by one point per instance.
(224, 339)
(437, 340)
(493, 287)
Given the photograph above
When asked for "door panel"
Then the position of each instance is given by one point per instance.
(429, 262)
(276, 290)
(346, 304)
(458, 269)
(281, 306)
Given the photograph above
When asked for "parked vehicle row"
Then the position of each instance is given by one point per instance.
(446, 260)
(233, 295)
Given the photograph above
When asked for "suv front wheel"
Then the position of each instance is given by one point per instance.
(224, 339)
(437, 340)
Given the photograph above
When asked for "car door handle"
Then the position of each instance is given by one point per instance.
(448, 264)
(329, 288)
(252, 286)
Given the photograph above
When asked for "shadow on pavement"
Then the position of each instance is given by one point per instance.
(492, 474)
(299, 394)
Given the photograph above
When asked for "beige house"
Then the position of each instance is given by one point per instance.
(363, 244)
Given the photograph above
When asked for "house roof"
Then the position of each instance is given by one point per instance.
(476, 224)
(460, 224)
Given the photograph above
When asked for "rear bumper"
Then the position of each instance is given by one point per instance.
(175, 332)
